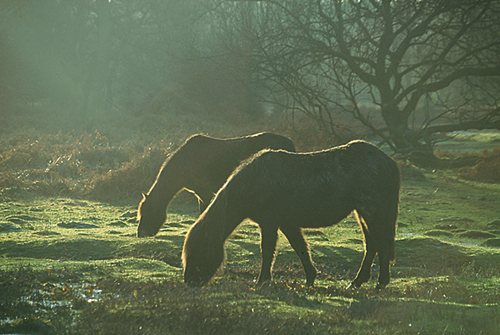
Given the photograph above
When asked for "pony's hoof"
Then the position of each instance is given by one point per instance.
(380, 287)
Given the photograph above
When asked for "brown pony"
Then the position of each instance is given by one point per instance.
(201, 165)
(289, 191)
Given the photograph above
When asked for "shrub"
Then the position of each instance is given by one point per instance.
(132, 178)
(486, 170)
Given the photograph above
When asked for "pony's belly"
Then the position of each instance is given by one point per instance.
(315, 216)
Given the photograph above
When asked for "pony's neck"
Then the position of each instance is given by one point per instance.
(220, 220)
(167, 184)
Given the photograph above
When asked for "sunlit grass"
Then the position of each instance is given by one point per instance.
(77, 265)
(70, 262)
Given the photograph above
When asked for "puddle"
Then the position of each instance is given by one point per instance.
(58, 295)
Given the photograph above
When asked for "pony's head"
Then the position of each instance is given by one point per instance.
(151, 216)
(202, 255)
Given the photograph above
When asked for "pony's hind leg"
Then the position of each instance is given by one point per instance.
(379, 235)
(370, 250)
(385, 233)
(384, 259)
(299, 245)
(269, 237)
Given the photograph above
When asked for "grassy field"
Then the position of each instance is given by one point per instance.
(75, 266)
(72, 265)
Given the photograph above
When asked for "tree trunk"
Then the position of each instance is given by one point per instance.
(397, 125)
(405, 140)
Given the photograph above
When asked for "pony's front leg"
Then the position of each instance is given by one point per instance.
(299, 245)
(269, 237)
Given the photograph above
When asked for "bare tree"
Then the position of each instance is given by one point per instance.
(394, 54)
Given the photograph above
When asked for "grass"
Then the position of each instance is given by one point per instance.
(75, 266)
(70, 262)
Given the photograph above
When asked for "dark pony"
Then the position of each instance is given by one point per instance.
(201, 165)
(290, 191)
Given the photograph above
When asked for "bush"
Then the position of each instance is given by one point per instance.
(132, 178)
(486, 170)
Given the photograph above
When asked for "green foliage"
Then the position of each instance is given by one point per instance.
(76, 266)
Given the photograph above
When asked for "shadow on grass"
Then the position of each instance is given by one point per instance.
(433, 257)
(95, 249)
(70, 249)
